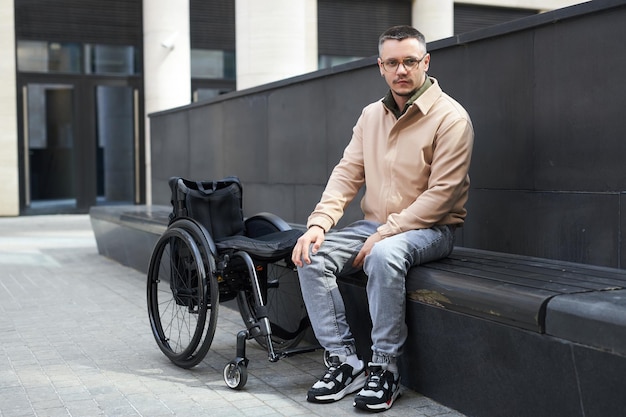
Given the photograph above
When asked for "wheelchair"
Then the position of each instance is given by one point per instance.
(192, 270)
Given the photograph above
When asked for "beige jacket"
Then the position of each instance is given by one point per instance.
(415, 168)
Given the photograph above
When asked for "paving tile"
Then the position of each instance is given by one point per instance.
(75, 341)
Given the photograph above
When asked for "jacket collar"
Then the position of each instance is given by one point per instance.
(423, 99)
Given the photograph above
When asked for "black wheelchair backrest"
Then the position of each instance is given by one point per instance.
(217, 205)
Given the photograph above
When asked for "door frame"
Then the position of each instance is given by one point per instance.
(85, 167)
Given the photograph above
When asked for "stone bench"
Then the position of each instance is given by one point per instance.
(490, 334)
(493, 334)
(127, 234)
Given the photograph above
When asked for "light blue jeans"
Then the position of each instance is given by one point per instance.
(386, 267)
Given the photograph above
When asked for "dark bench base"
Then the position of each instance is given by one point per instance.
(491, 335)
(487, 369)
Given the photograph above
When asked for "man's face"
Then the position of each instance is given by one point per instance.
(403, 81)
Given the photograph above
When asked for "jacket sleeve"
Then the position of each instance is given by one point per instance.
(343, 184)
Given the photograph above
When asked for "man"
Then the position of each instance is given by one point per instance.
(411, 150)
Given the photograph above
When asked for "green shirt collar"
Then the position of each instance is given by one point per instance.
(390, 103)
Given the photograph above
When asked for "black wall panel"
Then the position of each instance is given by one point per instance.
(206, 148)
(246, 141)
(172, 156)
(310, 117)
(579, 102)
(545, 94)
(468, 17)
(500, 106)
(116, 22)
(578, 227)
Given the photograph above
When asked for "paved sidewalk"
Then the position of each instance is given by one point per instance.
(75, 341)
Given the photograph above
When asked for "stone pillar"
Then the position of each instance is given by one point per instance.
(167, 68)
(276, 39)
(9, 170)
(434, 18)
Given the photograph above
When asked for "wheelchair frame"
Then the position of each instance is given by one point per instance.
(189, 274)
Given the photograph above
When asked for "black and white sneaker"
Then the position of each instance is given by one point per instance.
(339, 381)
(380, 390)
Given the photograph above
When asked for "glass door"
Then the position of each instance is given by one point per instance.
(81, 145)
(80, 116)
(49, 138)
(116, 144)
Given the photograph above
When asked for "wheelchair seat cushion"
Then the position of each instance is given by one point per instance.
(275, 245)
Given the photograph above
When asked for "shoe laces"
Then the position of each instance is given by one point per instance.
(334, 365)
(375, 377)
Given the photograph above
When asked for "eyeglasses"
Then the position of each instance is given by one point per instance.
(391, 65)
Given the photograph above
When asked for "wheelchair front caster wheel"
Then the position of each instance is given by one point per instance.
(235, 374)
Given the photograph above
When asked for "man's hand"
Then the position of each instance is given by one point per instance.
(366, 249)
(315, 236)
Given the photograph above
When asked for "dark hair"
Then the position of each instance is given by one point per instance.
(401, 32)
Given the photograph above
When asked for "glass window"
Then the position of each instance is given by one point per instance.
(41, 56)
(110, 59)
(327, 61)
(203, 94)
(213, 64)
(230, 65)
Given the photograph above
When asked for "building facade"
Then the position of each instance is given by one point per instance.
(80, 77)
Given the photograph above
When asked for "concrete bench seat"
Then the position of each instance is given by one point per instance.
(490, 334)
(127, 233)
(510, 289)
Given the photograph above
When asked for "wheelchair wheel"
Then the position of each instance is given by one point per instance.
(236, 374)
(280, 288)
(182, 294)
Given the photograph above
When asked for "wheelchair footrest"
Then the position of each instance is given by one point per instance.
(297, 350)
